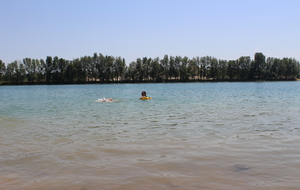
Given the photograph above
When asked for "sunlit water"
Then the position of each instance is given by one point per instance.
(189, 136)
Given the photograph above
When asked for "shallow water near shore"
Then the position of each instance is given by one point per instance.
(189, 136)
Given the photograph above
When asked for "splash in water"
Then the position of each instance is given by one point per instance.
(105, 100)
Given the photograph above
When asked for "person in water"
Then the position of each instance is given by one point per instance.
(105, 100)
(144, 94)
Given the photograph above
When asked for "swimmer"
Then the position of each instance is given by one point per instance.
(105, 100)
(143, 94)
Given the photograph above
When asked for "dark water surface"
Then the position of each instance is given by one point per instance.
(189, 136)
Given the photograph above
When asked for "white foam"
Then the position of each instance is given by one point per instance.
(104, 100)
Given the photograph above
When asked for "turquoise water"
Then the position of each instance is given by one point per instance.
(189, 136)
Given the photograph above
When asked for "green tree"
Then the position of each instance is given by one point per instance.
(214, 67)
(205, 66)
(172, 69)
(108, 68)
(15, 72)
(258, 65)
(41, 70)
(291, 68)
(80, 75)
(177, 64)
(95, 71)
(184, 74)
(232, 70)
(146, 68)
(49, 69)
(244, 64)
(55, 73)
(132, 73)
(119, 68)
(294, 68)
(86, 66)
(223, 69)
(11, 72)
(21, 73)
(270, 74)
(62, 67)
(193, 68)
(197, 61)
(156, 71)
(2, 70)
(30, 66)
(99, 64)
(71, 73)
(165, 65)
(139, 69)
(275, 64)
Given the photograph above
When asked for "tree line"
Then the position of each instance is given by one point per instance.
(100, 68)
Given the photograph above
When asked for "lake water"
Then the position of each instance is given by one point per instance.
(189, 136)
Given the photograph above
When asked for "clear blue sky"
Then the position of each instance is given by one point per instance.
(225, 29)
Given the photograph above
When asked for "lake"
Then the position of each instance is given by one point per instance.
(239, 135)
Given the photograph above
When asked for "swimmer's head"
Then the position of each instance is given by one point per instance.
(144, 93)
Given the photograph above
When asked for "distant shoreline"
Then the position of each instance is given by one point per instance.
(100, 69)
(139, 82)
